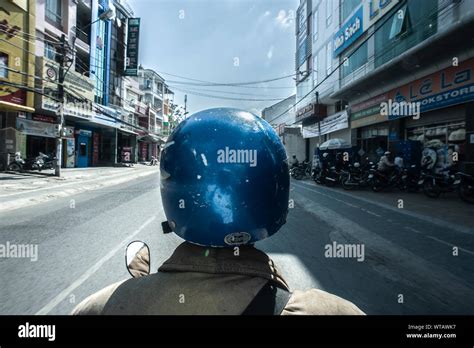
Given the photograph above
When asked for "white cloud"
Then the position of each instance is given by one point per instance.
(266, 14)
(270, 53)
(284, 20)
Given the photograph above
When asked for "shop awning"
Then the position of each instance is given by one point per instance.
(15, 107)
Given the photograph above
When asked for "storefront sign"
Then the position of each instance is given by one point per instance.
(75, 84)
(447, 87)
(350, 31)
(43, 118)
(83, 132)
(131, 66)
(306, 112)
(95, 149)
(41, 129)
(328, 125)
(70, 153)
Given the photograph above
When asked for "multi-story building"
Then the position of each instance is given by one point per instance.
(377, 54)
(321, 116)
(416, 52)
(17, 70)
(281, 116)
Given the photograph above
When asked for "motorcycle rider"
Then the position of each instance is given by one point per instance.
(385, 165)
(220, 204)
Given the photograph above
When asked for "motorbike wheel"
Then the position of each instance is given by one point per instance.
(466, 192)
(14, 167)
(377, 185)
(298, 175)
(330, 183)
(346, 184)
(431, 190)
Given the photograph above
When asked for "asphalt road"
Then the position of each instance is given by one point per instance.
(408, 266)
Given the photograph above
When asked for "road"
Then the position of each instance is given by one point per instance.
(408, 266)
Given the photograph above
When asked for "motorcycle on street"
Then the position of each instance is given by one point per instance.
(357, 176)
(18, 164)
(465, 185)
(434, 184)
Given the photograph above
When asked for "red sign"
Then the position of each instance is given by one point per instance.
(144, 151)
(126, 154)
(43, 118)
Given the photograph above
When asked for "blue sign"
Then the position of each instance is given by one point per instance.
(350, 31)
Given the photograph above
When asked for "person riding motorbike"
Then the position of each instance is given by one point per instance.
(385, 165)
(221, 196)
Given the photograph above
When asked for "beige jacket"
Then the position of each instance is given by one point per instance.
(215, 281)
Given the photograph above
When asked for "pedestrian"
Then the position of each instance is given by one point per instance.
(221, 208)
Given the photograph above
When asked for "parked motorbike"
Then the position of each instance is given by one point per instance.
(384, 180)
(301, 171)
(410, 178)
(328, 176)
(465, 185)
(46, 161)
(357, 176)
(18, 164)
(436, 183)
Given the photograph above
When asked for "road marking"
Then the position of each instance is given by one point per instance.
(372, 213)
(432, 220)
(63, 294)
(444, 242)
(412, 229)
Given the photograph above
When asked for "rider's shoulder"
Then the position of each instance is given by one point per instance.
(319, 302)
(95, 303)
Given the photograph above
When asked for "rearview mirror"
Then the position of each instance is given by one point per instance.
(137, 259)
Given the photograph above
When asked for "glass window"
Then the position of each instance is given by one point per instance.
(328, 12)
(315, 25)
(49, 51)
(53, 11)
(400, 22)
(3, 65)
(356, 60)
(328, 59)
(315, 69)
(347, 7)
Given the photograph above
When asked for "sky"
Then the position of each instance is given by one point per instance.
(222, 41)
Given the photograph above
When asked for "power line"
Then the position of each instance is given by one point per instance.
(222, 97)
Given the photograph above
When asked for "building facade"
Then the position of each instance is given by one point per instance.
(17, 71)
(381, 53)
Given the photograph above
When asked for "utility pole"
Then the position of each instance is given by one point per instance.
(59, 145)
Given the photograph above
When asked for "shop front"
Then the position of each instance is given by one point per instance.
(127, 146)
(308, 117)
(442, 100)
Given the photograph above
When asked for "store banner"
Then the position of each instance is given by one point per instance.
(447, 87)
(350, 31)
(328, 125)
(133, 37)
(41, 129)
(70, 153)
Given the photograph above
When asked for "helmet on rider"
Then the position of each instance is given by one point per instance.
(224, 179)
(325, 154)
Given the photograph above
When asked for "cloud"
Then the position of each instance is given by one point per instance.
(270, 53)
(266, 14)
(284, 20)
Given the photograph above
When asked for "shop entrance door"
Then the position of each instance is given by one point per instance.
(82, 151)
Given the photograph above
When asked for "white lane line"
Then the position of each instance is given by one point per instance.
(338, 200)
(430, 219)
(413, 230)
(444, 242)
(63, 294)
(372, 213)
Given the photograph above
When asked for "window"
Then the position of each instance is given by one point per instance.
(347, 7)
(400, 22)
(328, 59)
(315, 25)
(3, 65)
(53, 11)
(315, 69)
(328, 12)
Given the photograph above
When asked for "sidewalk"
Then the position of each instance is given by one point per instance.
(18, 190)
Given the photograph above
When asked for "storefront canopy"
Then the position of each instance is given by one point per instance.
(332, 144)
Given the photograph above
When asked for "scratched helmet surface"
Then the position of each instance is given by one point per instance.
(224, 178)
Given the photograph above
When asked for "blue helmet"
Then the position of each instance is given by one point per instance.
(224, 179)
